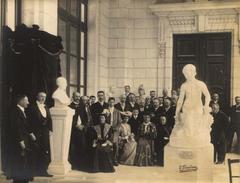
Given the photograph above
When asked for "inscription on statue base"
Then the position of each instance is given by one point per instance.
(197, 161)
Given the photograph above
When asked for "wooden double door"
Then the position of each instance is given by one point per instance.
(211, 54)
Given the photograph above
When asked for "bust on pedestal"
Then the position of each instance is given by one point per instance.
(189, 145)
(62, 123)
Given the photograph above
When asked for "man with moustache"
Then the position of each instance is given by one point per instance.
(132, 104)
(155, 111)
(123, 107)
(98, 107)
(41, 122)
(76, 127)
(169, 111)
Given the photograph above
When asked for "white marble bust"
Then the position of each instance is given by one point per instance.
(193, 117)
(60, 96)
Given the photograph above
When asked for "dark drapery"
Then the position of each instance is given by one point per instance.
(32, 61)
(30, 64)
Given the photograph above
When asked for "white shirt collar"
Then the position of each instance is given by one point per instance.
(76, 102)
(20, 107)
(39, 104)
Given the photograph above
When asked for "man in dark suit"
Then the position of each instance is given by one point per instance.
(218, 133)
(169, 111)
(21, 141)
(42, 125)
(84, 111)
(216, 100)
(127, 91)
(92, 100)
(76, 96)
(76, 127)
(121, 105)
(98, 107)
(135, 121)
(132, 104)
(155, 111)
(163, 135)
(234, 124)
(82, 121)
(114, 119)
(152, 96)
(165, 94)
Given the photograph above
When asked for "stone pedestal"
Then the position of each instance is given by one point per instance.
(60, 140)
(198, 161)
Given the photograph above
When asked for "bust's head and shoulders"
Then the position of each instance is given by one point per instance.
(60, 96)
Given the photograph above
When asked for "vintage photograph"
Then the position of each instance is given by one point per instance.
(120, 91)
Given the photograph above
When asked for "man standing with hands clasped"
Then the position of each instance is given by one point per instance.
(41, 122)
(22, 143)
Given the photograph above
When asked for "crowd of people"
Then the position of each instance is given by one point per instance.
(132, 130)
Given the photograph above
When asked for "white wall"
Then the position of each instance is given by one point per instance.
(98, 33)
(123, 43)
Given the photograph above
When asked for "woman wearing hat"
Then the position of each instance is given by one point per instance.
(102, 146)
(127, 143)
(147, 132)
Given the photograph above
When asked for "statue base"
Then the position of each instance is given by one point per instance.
(198, 160)
(60, 140)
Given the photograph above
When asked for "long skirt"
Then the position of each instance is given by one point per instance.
(145, 152)
(102, 160)
(128, 154)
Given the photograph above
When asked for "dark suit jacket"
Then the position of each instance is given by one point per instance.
(234, 113)
(130, 107)
(169, 115)
(96, 110)
(20, 127)
(20, 160)
(134, 124)
(156, 114)
(85, 117)
(119, 107)
(41, 125)
(219, 127)
(163, 132)
(75, 107)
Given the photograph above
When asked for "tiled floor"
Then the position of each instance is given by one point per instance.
(130, 174)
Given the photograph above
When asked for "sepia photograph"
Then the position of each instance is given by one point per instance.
(120, 91)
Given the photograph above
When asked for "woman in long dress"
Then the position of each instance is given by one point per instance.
(102, 146)
(145, 155)
(127, 143)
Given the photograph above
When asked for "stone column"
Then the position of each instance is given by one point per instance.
(162, 25)
(60, 140)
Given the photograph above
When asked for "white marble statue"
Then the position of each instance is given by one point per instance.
(193, 119)
(60, 96)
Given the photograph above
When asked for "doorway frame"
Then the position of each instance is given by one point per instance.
(196, 17)
(228, 36)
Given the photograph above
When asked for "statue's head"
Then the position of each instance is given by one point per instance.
(189, 71)
(61, 83)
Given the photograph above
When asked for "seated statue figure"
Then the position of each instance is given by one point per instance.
(60, 96)
(193, 119)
